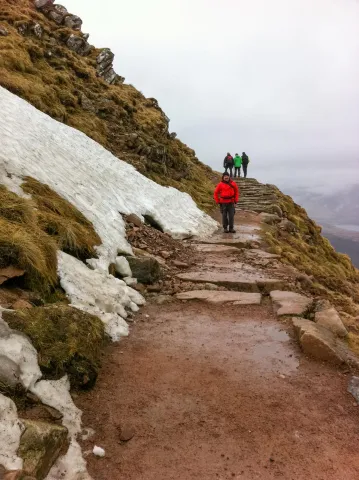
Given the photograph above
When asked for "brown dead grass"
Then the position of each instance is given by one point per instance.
(26, 246)
(73, 233)
(31, 232)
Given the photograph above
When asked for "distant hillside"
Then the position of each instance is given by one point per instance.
(47, 60)
(337, 208)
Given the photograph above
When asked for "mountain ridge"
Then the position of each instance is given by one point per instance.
(47, 60)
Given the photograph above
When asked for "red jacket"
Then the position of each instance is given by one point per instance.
(226, 192)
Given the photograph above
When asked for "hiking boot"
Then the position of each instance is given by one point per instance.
(232, 230)
(225, 230)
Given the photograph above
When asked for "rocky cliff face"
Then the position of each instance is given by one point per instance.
(47, 60)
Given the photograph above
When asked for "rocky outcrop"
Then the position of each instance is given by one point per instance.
(76, 42)
(59, 14)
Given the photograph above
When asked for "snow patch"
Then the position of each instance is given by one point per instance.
(98, 293)
(91, 178)
(123, 267)
(10, 434)
(56, 394)
(17, 348)
(71, 466)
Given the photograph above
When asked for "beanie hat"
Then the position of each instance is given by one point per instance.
(225, 175)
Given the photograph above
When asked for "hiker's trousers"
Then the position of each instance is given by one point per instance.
(237, 172)
(230, 168)
(245, 170)
(228, 210)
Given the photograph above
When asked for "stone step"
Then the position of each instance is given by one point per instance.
(234, 280)
(215, 248)
(290, 303)
(236, 298)
(238, 239)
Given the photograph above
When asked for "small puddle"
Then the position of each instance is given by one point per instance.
(269, 347)
(253, 346)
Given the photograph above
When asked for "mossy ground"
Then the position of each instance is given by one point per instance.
(67, 340)
(47, 74)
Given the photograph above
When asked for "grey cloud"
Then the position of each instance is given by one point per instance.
(278, 79)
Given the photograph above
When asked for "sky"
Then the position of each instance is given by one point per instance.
(278, 79)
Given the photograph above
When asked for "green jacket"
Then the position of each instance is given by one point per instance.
(237, 161)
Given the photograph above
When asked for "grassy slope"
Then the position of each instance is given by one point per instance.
(54, 79)
(333, 273)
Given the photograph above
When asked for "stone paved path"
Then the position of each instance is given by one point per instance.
(214, 391)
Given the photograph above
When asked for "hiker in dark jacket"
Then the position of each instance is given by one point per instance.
(226, 195)
(228, 164)
(245, 161)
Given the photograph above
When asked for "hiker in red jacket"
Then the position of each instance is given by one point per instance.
(226, 195)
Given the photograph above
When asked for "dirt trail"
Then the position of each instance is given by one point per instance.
(218, 392)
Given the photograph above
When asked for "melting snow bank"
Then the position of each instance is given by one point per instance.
(16, 348)
(98, 293)
(10, 433)
(90, 177)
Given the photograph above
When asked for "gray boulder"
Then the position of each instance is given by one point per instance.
(75, 43)
(73, 21)
(147, 270)
(269, 218)
(288, 226)
(57, 14)
(43, 3)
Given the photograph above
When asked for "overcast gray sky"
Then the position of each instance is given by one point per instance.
(278, 79)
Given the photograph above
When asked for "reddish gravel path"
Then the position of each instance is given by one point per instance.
(216, 392)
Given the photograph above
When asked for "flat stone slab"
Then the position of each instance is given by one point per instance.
(238, 298)
(213, 248)
(322, 344)
(232, 280)
(290, 303)
(240, 240)
(260, 254)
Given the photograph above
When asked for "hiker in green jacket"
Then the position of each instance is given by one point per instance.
(237, 165)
